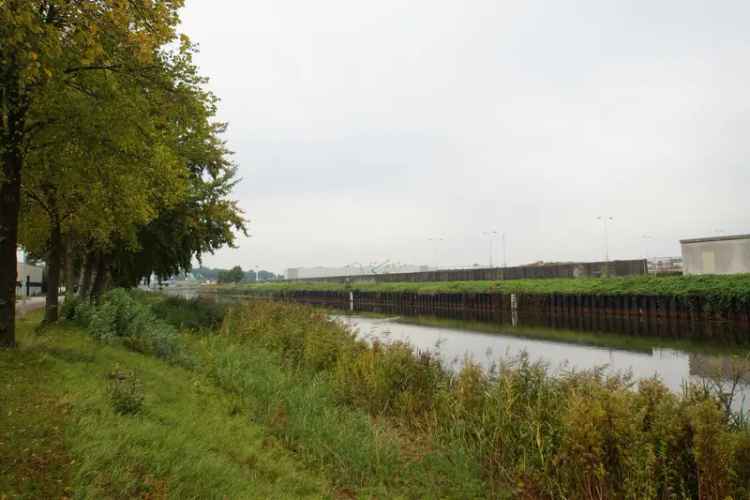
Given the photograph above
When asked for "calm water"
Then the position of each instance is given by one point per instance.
(454, 344)
(487, 342)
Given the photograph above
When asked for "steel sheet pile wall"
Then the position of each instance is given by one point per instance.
(639, 314)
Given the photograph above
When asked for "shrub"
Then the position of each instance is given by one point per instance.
(120, 317)
(68, 309)
(193, 314)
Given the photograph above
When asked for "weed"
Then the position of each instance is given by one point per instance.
(125, 392)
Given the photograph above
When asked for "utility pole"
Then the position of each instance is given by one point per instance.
(605, 220)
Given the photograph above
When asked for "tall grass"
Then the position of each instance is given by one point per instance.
(281, 365)
(516, 430)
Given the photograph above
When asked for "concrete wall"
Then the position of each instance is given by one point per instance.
(725, 255)
(567, 270)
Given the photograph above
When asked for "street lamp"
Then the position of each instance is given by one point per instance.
(505, 257)
(491, 235)
(436, 240)
(605, 220)
(645, 238)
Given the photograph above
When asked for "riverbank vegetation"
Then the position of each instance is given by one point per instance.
(713, 286)
(518, 430)
(166, 398)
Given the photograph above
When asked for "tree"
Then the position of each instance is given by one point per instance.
(234, 275)
(109, 170)
(265, 275)
(46, 45)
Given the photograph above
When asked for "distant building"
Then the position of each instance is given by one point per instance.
(32, 274)
(717, 255)
(295, 273)
(665, 265)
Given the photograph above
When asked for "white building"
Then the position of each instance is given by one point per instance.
(717, 255)
(294, 273)
(33, 274)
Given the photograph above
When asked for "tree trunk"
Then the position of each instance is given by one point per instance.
(69, 273)
(54, 263)
(100, 281)
(10, 202)
(10, 197)
(89, 265)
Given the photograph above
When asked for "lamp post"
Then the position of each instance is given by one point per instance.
(605, 220)
(645, 238)
(505, 256)
(491, 235)
(436, 240)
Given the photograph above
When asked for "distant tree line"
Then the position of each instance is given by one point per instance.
(233, 275)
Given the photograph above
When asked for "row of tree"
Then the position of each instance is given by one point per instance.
(113, 166)
(237, 275)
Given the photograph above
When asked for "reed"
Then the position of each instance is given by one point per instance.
(522, 431)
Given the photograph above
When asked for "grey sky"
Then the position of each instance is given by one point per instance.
(364, 128)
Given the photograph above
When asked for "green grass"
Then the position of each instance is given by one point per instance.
(61, 437)
(712, 287)
(281, 402)
(236, 422)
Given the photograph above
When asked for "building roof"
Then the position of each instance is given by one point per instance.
(716, 238)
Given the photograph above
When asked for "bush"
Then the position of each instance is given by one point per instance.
(68, 309)
(121, 317)
(193, 314)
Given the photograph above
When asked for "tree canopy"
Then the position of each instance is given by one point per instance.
(112, 160)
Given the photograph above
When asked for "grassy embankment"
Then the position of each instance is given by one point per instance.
(60, 436)
(283, 402)
(116, 404)
(716, 289)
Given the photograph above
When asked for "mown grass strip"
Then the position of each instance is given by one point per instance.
(62, 438)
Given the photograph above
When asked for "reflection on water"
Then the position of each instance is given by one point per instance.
(638, 349)
(454, 345)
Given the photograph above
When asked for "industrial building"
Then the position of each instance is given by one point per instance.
(33, 275)
(716, 255)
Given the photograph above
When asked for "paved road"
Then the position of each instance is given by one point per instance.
(28, 305)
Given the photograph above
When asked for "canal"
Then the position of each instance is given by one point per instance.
(455, 341)
(563, 346)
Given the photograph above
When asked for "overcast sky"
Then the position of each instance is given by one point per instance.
(364, 128)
